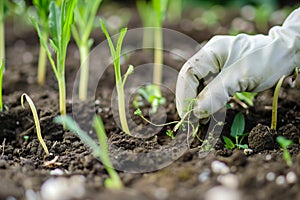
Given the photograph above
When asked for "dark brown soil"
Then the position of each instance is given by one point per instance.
(75, 173)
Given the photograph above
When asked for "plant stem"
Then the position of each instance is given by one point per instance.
(121, 107)
(158, 56)
(2, 32)
(1, 77)
(42, 61)
(62, 95)
(275, 103)
(84, 71)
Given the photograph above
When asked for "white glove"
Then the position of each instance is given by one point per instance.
(243, 63)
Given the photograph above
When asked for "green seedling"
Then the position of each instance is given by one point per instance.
(174, 10)
(60, 22)
(1, 79)
(114, 182)
(170, 133)
(247, 97)
(295, 76)
(3, 13)
(237, 132)
(42, 7)
(152, 96)
(275, 103)
(146, 13)
(36, 120)
(85, 14)
(116, 55)
(285, 144)
(160, 8)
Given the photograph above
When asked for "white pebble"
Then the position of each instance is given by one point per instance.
(280, 180)
(204, 176)
(57, 172)
(161, 193)
(270, 176)
(248, 151)
(63, 188)
(222, 193)
(219, 167)
(291, 177)
(229, 180)
(268, 157)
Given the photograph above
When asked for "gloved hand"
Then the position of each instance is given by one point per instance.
(243, 63)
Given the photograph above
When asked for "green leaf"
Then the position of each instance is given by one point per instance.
(55, 23)
(228, 143)
(247, 97)
(238, 125)
(283, 142)
(242, 146)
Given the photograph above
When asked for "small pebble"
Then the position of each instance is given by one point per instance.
(222, 193)
(161, 193)
(229, 180)
(219, 167)
(268, 157)
(248, 151)
(204, 176)
(270, 176)
(56, 172)
(280, 180)
(291, 177)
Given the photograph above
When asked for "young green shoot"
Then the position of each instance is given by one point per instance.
(237, 132)
(275, 103)
(153, 96)
(160, 8)
(174, 11)
(114, 181)
(2, 29)
(116, 55)
(35, 119)
(247, 97)
(170, 133)
(146, 13)
(284, 144)
(85, 13)
(60, 21)
(1, 79)
(42, 7)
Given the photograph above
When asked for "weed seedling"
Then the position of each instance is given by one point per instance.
(1, 79)
(116, 55)
(284, 144)
(85, 13)
(60, 21)
(114, 182)
(237, 132)
(275, 103)
(36, 120)
(247, 97)
(42, 7)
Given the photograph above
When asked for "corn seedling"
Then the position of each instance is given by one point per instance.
(237, 132)
(36, 120)
(160, 8)
(42, 7)
(85, 13)
(174, 10)
(1, 79)
(146, 13)
(116, 55)
(60, 21)
(3, 5)
(275, 103)
(114, 182)
(284, 144)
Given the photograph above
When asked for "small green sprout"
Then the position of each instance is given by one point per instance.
(275, 103)
(42, 7)
(247, 97)
(170, 133)
(295, 75)
(60, 21)
(285, 144)
(237, 132)
(174, 10)
(85, 14)
(153, 96)
(36, 120)
(3, 5)
(1, 79)
(114, 181)
(116, 55)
